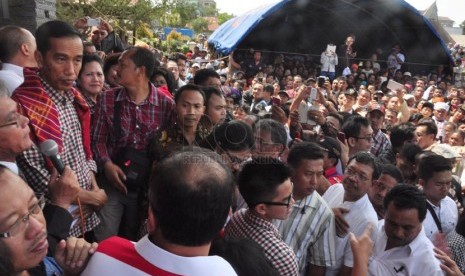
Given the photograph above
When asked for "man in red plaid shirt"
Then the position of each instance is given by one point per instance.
(142, 110)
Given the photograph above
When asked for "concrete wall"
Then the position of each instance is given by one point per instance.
(28, 14)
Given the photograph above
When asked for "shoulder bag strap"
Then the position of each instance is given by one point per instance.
(435, 217)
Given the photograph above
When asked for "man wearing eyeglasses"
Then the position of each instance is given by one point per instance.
(359, 134)
(389, 177)
(267, 189)
(23, 232)
(352, 196)
(309, 229)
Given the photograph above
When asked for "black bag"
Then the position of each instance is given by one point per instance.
(136, 165)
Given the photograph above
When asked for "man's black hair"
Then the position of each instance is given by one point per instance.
(431, 164)
(392, 171)
(430, 125)
(188, 87)
(259, 179)
(276, 129)
(53, 29)
(190, 195)
(143, 57)
(245, 256)
(304, 151)
(368, 159)
(203, 75)
(406, 197)
(234, 136)
(400, 134)
(353, 125)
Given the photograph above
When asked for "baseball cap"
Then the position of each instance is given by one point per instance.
(445, 150)
(195, 65)
(441, 105)
(283, 92)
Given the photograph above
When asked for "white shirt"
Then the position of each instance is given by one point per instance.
(415, 258)
(11, 165)
(361, 212)
(12, 75)
(102, 264)
(447, 214)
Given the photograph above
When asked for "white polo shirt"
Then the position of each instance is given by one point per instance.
(447, 214)
(415, 258)
(361, 212)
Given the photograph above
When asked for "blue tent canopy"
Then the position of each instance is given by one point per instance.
(307, 26)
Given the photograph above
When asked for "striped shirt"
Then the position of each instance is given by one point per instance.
(244, 224)
(310, 232)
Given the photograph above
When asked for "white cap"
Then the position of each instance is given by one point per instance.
(441, 105)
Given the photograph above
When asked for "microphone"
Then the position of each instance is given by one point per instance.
(49, 148)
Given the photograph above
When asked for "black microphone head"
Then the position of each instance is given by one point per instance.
(49, 148)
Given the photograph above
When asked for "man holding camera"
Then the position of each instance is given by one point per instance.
(126, 120)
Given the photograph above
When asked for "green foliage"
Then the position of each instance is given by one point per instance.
(124, 14)
(223, 17)
(462, 25)
(200, 25)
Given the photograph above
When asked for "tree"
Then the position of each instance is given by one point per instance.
(463, 27)
(125, 14)
(223, 17)
(200, 25)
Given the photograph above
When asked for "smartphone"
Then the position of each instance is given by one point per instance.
(321, 81)
(313, 95)
(93, 21)
(341, 136)
(276, 101)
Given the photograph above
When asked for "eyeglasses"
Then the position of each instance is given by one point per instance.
(369, 138)
(351, 172)
(286, 203)
(16, 121)
(21, 224)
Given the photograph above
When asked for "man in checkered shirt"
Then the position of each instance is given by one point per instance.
(267, 189)
(57, 111)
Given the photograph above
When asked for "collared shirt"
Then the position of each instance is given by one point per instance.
(380, 143)
(139, 122)
(361, 213)
(149, 257)
(32, 163)
(11, 165)
(447, 214)
(415, 258)
(310, 232)
(12, 75)
(244, 224)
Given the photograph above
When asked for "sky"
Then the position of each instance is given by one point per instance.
(454, 9)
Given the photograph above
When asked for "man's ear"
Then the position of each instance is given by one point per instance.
(351, 141)
(260, 209)
(151, 222)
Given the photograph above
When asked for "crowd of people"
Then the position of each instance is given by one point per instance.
(189, 165)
